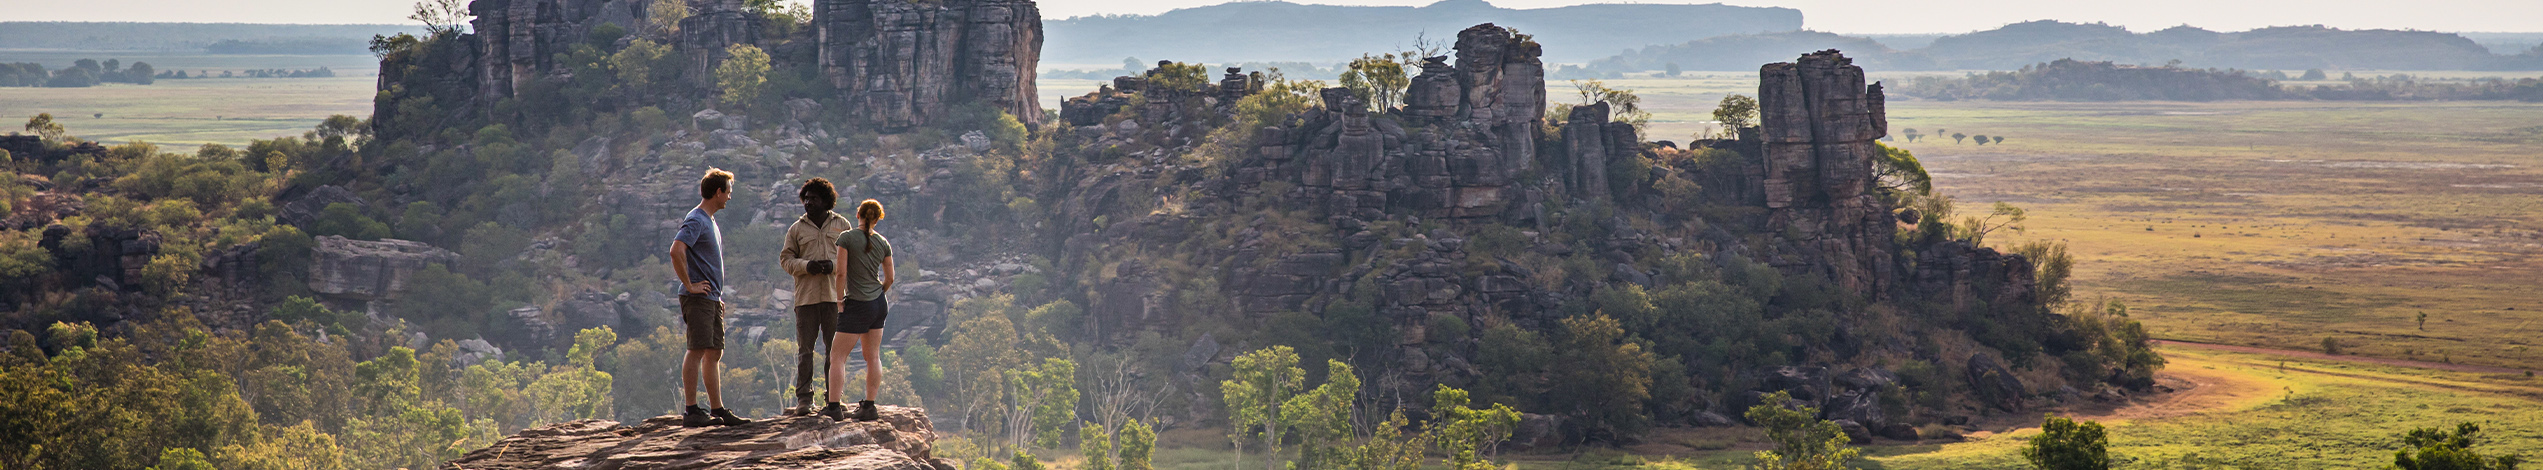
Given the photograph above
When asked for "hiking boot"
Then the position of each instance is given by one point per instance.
(725, 417)
(803, 406)
(865, 411)
(835, 412)
(695, 417)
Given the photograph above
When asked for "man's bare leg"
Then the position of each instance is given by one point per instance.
(689, 376)
(711, 359)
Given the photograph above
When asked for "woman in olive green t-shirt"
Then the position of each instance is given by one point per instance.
(866, 258)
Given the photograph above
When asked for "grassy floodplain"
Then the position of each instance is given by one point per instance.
(2277, 224)
(227, 111)
(2232, 411)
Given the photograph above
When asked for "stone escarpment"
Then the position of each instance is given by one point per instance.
(893, 63)
(901, 63)
(902, 440)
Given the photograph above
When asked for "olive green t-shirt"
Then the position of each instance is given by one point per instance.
(864, 267)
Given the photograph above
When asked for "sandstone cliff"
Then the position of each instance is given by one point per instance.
(902, 440)
(893, 63)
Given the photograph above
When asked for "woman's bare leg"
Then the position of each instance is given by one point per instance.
(873, 362)
(840, 345)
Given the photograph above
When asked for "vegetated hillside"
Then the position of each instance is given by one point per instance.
(2076, 80)
(189, 37)
(1280, 30)
(2022, 44)
(396, 290)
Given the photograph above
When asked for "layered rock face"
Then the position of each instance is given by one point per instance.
(1819, 123)
(517, 40)
(903, 63)
(1504, 88)
(902, 440)
(1591, 142)
(895, 63)
(369, 270)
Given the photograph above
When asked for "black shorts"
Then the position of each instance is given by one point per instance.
(859, 316)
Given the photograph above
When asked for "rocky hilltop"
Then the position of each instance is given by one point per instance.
(902, 440)
(1432, 235)
(1466, 206)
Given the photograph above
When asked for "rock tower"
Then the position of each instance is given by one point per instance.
(1819, 122)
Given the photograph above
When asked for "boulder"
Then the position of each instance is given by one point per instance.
(1536, 431)
(902, 440)
(1807, 383)
(1860, 406)
(1855, 433)
(475, 351)
(1898, 431)
(1993, 383)
(301, 210)
(590, 309)
(369, 270)
(1871, 379)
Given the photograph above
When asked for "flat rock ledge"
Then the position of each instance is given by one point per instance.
(901, 440)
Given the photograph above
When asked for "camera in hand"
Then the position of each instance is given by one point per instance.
(819, 266)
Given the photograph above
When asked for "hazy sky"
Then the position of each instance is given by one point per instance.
(1842, 16)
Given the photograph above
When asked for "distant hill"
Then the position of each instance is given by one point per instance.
(2022, 44)
(1283, 31)
(2076, 80)
(193, 37)
(1745, 51)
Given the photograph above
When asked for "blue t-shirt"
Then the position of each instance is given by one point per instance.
(706, 252)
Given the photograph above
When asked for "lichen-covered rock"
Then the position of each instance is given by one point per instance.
(902, 440)
(369, 270)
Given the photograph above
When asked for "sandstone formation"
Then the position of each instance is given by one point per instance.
(894, 63)
(369, 270)
(1819, 121)
(1391, 202)
(902, 63)
(902, 440)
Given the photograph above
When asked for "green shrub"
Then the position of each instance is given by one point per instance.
(2064, 444)
(346, 220)
(2436, 449)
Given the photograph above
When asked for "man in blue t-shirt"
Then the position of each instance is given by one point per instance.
(697, 258)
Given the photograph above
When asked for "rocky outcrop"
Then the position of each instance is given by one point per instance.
(902, 63)
(1591, 143)
(894, 63)
(1819, 122)
(517, 41)
(902, 440)
(369, 270)
(1504, 89)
